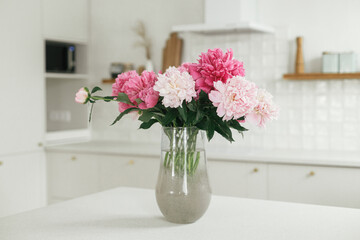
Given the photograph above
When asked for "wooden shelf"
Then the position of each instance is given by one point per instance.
(108, 80)
(315, 76)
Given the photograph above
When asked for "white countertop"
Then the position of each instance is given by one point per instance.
(128, 213)
(325, 158)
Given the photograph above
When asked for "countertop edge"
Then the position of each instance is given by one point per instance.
(342, 159)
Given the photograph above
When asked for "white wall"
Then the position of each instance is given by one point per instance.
(112, 37)
(326, 25)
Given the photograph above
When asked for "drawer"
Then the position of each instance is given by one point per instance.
(317, 185)
(72, 175)
(115, 171)
(238, 179)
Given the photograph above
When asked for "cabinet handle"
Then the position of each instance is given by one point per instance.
(40, 144)
(255, 170)
(1, 163)
(131, 162)
(312, 173)
(73, 158)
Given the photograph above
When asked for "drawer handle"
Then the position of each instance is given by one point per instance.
(40, 144)
(312, 173)
(131, 162)
(255, 170)
(73, 158)
(1, 163)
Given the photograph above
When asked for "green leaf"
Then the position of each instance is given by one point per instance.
(191, 117)
(191, 105)
(169, 117)
(87, 90)
(199, 116)
(210, 129)
(146, 116)
(242, 118)
(222, 127)
(95, 89)
(122, 97)
(224, 132)
(147, 125)
(183, 111)
(123, 114)
(203, 124)
(203, 96)
(236, 125)
(138, 101)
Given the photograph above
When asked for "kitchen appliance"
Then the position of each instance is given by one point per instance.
(60, 57)
(116, 69)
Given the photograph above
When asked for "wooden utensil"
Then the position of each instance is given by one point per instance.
(172, 52)
(299, 64)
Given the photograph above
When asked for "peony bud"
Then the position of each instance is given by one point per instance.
(82, 96)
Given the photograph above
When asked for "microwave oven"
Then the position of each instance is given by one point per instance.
(60, 57)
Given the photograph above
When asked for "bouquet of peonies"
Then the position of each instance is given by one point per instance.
(212, 95)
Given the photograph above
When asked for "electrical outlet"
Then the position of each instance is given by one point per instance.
(67, 116)
(60, 116)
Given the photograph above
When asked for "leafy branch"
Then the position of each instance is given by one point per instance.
(199, 113)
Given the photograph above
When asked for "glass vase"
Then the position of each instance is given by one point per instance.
(183, 191)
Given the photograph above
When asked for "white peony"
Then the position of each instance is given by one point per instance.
(175, 86)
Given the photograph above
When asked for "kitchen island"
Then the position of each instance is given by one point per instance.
(132, 213)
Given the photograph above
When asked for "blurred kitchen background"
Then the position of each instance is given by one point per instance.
(50, 153)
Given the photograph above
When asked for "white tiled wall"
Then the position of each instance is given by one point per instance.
(315, 115)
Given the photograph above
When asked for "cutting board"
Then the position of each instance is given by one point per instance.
(172, 52)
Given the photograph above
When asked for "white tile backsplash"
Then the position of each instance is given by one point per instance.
(314, 114)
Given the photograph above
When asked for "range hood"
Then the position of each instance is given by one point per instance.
(227, 16)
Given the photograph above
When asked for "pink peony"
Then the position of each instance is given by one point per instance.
(82, 96)
(184, 67)
(235, 98)
(135, 87)
(215, 66)
(175, 86)
(265, 109)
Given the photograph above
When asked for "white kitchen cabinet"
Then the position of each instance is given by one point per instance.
(128, 171)
(65, 20)
(337, 186)
(100, 168)
(22, 182)
(71, 175)
(238, 179)
(21, 77)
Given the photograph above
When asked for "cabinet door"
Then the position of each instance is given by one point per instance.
(71, 175)
(238, 179)
(21, 77)
(317, 185)
(65, 19)
(22, 183)
(128, 171)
